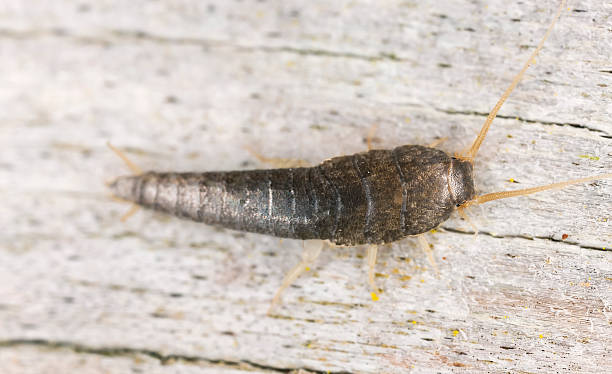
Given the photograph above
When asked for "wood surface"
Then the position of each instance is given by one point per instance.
(187, 85)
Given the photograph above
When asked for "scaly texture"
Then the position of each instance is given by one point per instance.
(374, 197)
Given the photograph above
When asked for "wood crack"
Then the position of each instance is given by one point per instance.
(602, 133)
(525, 237)
(165, 40)
(164, 359)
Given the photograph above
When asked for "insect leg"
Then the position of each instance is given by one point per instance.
(427, 249)
(463, 214)
(371, 256)
(280, 163)
(437, 142)
(312, 250)
(370, 137)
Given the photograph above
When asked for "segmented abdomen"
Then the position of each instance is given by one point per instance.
(374, 197)
(291, 203)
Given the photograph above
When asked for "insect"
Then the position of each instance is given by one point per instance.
(373, 198)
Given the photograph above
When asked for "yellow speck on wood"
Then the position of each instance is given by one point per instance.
(388, 346)
(374, 296)
(594, 158)
(511, 180)
(541, 336)
(414, 322)
(307, 268)
(422, 280)
(455, 332)
(433, 231)
(405, 278)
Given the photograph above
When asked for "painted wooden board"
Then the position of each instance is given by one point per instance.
(188, 85)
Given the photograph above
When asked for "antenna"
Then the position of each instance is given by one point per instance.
(528, 191)
(471, 153)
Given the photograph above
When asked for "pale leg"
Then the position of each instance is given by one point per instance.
(312, 250)
(425, 246)
(463, 214)
(280, 163)
(437, 142)
(370, 137)
(371, 257)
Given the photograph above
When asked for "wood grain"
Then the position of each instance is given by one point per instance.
(187, 85)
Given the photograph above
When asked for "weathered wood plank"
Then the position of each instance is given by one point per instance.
(185, 86)
(48, 358)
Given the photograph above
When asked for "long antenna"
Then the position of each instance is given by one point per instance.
(528, 191)
(471, 153)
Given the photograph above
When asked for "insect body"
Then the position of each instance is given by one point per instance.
(375, 197)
